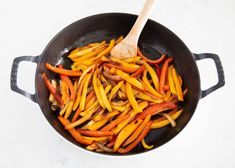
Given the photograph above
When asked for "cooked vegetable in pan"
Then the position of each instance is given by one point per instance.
(110, 105)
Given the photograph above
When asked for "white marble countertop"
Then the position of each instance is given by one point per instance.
(26, 138)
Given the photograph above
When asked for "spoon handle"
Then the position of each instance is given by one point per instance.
(141, 21)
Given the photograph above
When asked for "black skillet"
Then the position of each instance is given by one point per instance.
(154, 40)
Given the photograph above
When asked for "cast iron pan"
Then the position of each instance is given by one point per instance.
(155, 40)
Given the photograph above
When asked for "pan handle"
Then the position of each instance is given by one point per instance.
(220, 72)
(14, 71)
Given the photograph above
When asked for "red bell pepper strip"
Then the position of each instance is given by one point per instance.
(138, 72)
(94, 133)
(63, 71)
(158, 61)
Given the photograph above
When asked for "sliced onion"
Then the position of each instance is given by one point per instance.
(113, 77)
(170, 119)
(103, 148)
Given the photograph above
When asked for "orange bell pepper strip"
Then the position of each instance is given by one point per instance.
(94, 133)
(177, 85)
(75, 134)
(52, 90)
(115, 89)
(130, 79)
(97, 125)
(68, 83)
(125, 133)
(155, 109)
(137, 132)
(163, 74)
(139, 71)
(142, 135)
(131, 98)
(66, 72)
(124, 69)
(115, 122)
(76, 115)
(158, 61)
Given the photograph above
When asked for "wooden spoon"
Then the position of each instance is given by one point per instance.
(127, 48)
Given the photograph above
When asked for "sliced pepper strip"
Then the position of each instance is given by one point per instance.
(177, 85)
(107, 50)
(137, 131)
(143, 134)
(163, 74)
(125, 133)
(115, 122)
(97, 125)
(157, 108)
(123, 68)
(84, 92)
(130, 79)
(139, 71)
(153, 75)
(69, 109)
(52, 90)
(96, 89)
(94, 133)
(125, 64)
(146, 146)
(171, 81)
(63, 71)
(97, 139)
(131, 98)
(69, 84)
(159, 124)
(75, 134)
(115, 89)
(148, 85)
(158, 61)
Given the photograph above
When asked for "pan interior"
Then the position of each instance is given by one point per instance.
(154, 41)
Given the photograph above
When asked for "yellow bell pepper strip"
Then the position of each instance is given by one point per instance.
(94, 133)
(125, 64)
(96, 89)
(163, 74)
(146, 146)
(171, 81)
(167, 96)
(83, 113)
(121, 67)
(115, 89)
(64, 109)
(130, 79)
(74, 73)
(52, 90)
(107, 50)
(148, 85)
(103, 96)
(155, 109)
(97, 125)
(84, 92)
(132, 113)
(69, 109)
(125, 133)
(177, 85)
(131, 60)
(64, 91)
(79, 93)
(137, 132)
(118, 108)
(148, 98)
(115, 122)
(131, 98)
(180, 80)
(142, 135)
(97, 139)
(84, 73)
(75, 134)
(158, 61)
(161, 123)
(119, 39)
(86, 116)
(111, 114)
(76, 53)
(139, 71)
(153, 75)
